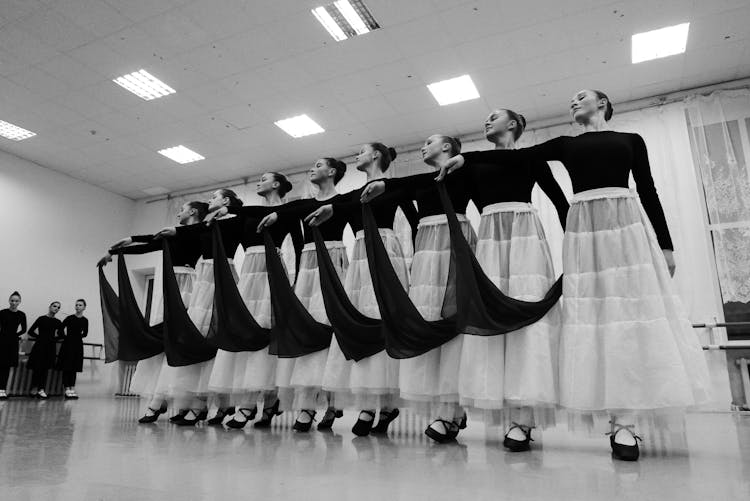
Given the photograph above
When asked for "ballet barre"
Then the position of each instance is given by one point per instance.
(727, 345)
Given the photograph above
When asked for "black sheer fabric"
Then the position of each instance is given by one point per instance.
(407, 334)
(481, 308)
(138, 340)
(233, 327)
(294, 332)
(358, 335)
(110, 317)
(183, 342)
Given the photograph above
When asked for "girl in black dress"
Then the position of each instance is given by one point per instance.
(70, 358)
(42, 358)
(12, 326)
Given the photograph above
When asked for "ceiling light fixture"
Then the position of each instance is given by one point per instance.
(345, 19)
(660, 43)
(454, 90)
(299, 126)
(144, 85)
(14, 132)
(181, 154)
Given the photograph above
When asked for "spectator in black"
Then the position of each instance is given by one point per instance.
(44, 331)
(12, 326)
(70, 357)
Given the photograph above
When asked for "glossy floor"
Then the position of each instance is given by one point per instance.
(93, 449)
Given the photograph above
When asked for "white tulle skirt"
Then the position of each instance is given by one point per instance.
(518, 369)
(248, 371)
(372, 381)
(432, 378)
(305, 373)
(627, 346)
(193, 379)
(147, 373)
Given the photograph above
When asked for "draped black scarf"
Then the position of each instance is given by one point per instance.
(138, 340)
(233, 327)
(294, 332)
(183, 342)
(358, 335)
(111, 318)
(472, 303)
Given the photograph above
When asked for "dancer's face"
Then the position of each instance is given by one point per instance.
(185, 213)
(217, 201)
(266, 184)
(497, 125)
(585, 105)
(80, 307)
(433, 147)
(14, 302)
(54, 308)
(365, 157)
(321, 171)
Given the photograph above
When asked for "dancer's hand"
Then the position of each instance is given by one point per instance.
(669, 256)
(169, 231)
(449, 166)
(104, 260)
(267, 221)
(122, 243)
(209, 219)
(320, 216)
(372, 190)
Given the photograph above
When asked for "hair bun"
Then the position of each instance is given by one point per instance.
(458, 142)
(16, 293)
(392, 153)
(523, 120)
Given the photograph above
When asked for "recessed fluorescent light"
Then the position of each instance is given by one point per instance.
(144, 85)
(156, 190)
(181, 155)
(660, 43)
(454, 90)
(345, 19)
(299, 126)
(14, 132)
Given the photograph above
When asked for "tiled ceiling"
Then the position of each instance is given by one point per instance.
(240, 65)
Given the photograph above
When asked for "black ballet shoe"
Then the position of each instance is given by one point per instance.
(386, 418)
(220, 415)
(249, 415)
(178, 416)
(462, 422)
(514, 445)
(330, 416)
(451, 431)
(203, 414)
(268, 414)
(362, 427)
(146, 419)
(304, 427)
(187, 420)
(623, 452)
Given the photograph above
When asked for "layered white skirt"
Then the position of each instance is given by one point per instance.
(371, 378)
(146, 376)
(627, 346)
(305, 373)
(193, 379)
(518, 369)
(432, 378)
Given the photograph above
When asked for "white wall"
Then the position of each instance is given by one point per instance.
(54, 228)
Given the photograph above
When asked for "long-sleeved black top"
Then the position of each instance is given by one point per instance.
(383, 208)
(45, 328)
(597, 160)
(10, 321)
(198, 236)
(251, 215)
(422, 189)
(183, 248)
(512, 181)
(297, 210)
(74, 327)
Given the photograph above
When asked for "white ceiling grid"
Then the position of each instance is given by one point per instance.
(238, 66)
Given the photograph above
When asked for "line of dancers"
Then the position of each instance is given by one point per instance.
(475, 323)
